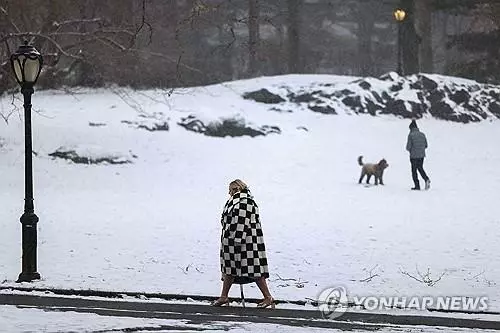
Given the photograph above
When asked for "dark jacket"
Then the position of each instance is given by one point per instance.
(416, 144)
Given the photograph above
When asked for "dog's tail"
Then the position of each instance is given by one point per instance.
(360, 160)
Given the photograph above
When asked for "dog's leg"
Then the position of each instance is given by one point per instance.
(368, 178)
(381, 180)
(361, 177)
(376, 180)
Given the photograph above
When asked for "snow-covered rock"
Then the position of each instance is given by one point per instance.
(226, 127)
(91, 154)
(413, 96)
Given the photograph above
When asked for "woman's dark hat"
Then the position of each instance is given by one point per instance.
(413, 124)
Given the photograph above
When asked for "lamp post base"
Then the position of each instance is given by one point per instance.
(28, 277)
(29, 221)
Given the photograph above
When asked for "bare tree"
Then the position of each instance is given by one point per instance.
(366, 21)
(423, 14)
(158, 43)
(94, 42)
(253, 36)
(294, 59)
(410, 39)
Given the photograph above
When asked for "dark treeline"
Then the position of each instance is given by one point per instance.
(170, 43)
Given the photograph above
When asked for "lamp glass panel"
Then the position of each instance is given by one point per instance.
(18, 67)
(31, 69)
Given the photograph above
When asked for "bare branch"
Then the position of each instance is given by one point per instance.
(105, 40)
(112, 43)
(424, 278)
(76, 21)
(411, 276)
(198, 10)
(125, 97)
(233, 40)
(84, 34)
(153, 99)
(48, 38)
(14, 108)
(143, 23)
(281, 279)
(182, 269)
(479, 274)
(81, 42)
(4, 11)
(296, 283)
(368, 279)
(371, 275)
(161, 55)
(6, 117)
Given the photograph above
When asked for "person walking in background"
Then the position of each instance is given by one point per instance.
(416, 146)
(242, 253)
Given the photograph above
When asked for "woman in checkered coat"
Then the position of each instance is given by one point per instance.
(242, 253)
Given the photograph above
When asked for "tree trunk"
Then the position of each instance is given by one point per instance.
(410, 39)
(294, 60)
(253, 37)
(440, 39)
(423, 15)
(233, 53)
(366, 21)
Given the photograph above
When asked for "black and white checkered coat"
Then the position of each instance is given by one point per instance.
(242, 252)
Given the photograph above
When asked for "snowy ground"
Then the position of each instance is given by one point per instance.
(22, 320)
(14, 321)
(153, 225)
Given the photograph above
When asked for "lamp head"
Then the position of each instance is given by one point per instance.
(399, 15)
(27, 64)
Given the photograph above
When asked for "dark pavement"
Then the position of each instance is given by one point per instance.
(205, 314)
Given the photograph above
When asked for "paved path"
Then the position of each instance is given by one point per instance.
(203, 314)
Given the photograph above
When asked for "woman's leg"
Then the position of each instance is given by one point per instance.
(226, 286)
(224, 295)
(268, 299)
(261, 283)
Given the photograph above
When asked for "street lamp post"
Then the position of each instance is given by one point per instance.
(27, 63)
(399, 15)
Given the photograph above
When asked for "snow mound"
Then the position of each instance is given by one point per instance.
(152, 123)
(91, 154)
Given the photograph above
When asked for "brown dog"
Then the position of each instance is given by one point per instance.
(372, 169)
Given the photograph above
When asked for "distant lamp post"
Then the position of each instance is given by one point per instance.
(27, 63)
(399, 15)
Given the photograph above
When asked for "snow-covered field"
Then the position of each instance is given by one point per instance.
(153, 225)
